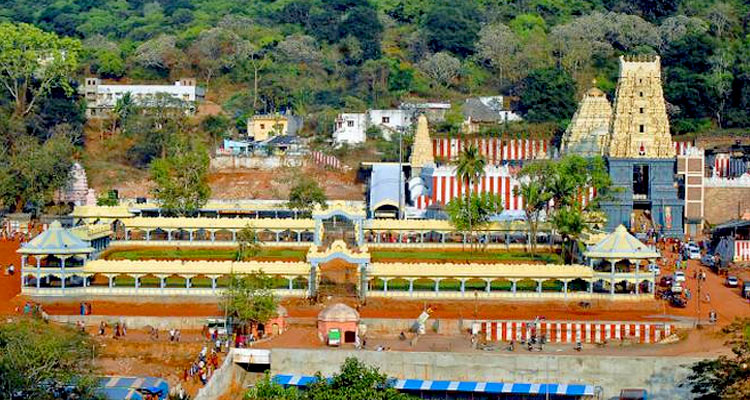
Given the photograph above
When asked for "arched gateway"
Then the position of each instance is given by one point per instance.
(336, 274)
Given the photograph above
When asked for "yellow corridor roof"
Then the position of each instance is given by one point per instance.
(217, 223)
(430, 270)
(101, 212)
(620, 244)
(177, 267)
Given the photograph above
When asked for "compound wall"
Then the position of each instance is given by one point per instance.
(659, 375)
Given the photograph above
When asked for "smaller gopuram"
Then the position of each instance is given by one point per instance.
(421, 155)
(588, 132)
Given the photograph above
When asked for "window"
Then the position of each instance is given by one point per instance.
(641, 109)
(641, 94)
(350, 123)
(641, 128)
(386, 120)
(262, 126)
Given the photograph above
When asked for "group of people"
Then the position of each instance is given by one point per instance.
(119, 330)
(203, 366)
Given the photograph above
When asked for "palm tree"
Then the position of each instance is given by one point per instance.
(469, 168)
(570, 223)
(123, 108)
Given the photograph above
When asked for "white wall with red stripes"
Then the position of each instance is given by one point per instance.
(574, 331)
(494, 150)
(742, 250)
(325, 160)
(683, 147)
(498, 180)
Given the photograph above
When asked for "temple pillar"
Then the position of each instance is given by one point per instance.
(463, 285)
(169, 235)
(213, 236)
(488, 287)
(612, 278)
(539, 286)
(513, 287)
(148, 235)
(385, 285)
(411, 286)
(565, 288)
(437, 285)
(234, 236)
(190, 235)
(291, 283)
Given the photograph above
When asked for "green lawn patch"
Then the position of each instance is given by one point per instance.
(202, 254)
(462, 256)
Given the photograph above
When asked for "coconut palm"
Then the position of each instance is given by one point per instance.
(469, 168)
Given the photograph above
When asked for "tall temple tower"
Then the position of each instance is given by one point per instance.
(421, 154)
(640, 127)
(588, 132)
(640, 154)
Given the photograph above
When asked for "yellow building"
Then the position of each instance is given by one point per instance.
(263, 127)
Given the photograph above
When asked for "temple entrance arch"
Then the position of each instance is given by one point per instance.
(338, 271)
(339, 222)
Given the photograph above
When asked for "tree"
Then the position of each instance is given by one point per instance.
(38, 360)
(355, 381)
(362, 23)
(306, 194)
(473, 213)
(248, 244)
(548, 95)
(569, 222)
(500, 46)
(160, 52)
(451, 28)
(726, 377)
(124, 106)
(182, 178)
(469, 168)
(441, 67)
(534, 189)
(32, 62)
(31, 171)
(299, 49)
(249, 300)
(217, 49)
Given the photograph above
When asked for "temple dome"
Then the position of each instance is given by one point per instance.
(338, 313)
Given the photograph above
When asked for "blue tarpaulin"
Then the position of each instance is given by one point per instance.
(126, 387)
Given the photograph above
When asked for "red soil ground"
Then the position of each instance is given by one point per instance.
(10, 285)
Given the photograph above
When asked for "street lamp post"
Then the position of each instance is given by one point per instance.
(400, 172)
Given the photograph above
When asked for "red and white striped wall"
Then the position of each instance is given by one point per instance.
(681, 148)
(327, 161)
(493, 149)
(573, 331)
(726, 166)
(496, 180)
(742, 250)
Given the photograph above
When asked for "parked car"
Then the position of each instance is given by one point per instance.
(217, 324)
(693, 251)
(732, 281)
(679, 276)
(708, 260)
(677, 301)
(633, 394)
(676, 287)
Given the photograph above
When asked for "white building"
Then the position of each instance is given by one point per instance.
(101, 99)
(350, 128)
(390, 121)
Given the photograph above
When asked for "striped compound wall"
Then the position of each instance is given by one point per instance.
(742, 250)
(496, 180)
(571, 331)
(494, 150)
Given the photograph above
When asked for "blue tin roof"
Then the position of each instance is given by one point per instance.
(464, 386)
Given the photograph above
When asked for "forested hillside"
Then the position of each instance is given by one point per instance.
(319, 57)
